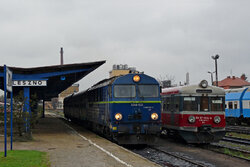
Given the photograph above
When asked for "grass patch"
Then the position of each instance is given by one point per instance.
(24, 158)
(235, 145)
(239, 135)
(236, 153)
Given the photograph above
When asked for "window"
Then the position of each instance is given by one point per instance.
(190, 104)
(235, 105)
(217, 104)
(230, 105)
(124, 91)
(166, 104)
(176, 103)
(204, 103)
(148, 90)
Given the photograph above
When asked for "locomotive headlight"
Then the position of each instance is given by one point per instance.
(118, 116)
(136, 78)
(154, 116)
(217, 119)
(191, 119)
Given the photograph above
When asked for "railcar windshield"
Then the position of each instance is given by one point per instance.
(217, 104)
(148, 90)
(203, 103)
(190, 104)
(124, 91)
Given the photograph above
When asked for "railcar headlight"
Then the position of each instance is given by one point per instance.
(118, 116)
(191, 119)
(154, 116)
(203, 83)
(217, 119)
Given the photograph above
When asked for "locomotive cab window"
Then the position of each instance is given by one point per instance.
(124, 91)
(148, 90)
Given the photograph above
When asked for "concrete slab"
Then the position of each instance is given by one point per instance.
(71, 145)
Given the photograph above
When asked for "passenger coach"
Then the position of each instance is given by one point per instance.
(195, 112)
(238, 106)
(126, 109)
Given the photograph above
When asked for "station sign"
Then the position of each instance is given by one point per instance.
(29, 83)
(8, 79)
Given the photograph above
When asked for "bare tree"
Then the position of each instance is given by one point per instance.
(166, 81)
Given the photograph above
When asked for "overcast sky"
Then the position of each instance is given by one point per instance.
(159, 37)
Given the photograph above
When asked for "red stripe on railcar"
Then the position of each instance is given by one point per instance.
(181, 120)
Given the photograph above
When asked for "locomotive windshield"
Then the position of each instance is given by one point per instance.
(148, 90)
(124, 91)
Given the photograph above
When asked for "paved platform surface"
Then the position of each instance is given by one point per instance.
(71, 145)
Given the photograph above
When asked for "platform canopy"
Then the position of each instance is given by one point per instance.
(57, 77)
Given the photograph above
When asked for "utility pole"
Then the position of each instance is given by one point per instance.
(211, 73)
(216, 72)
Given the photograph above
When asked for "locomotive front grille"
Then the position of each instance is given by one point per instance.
(137, 128)
(135, 116)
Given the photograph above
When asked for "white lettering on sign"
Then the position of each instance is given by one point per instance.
(203, 119)
(29, 83)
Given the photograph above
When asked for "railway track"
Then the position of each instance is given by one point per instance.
(192, 162)
(236, 140)
(216, 146)
(238, 129)
(169, 159)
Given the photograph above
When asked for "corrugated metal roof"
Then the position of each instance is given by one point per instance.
(71, 73)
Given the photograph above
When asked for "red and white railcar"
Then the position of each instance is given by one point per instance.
(195, 112)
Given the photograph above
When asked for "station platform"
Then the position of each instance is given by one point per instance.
(70, 145)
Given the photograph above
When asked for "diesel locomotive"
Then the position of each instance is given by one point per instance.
(126, 109)
(196, 113)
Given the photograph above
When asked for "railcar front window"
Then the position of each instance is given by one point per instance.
(204, 103)
(190, 104)
(217, 104)
(148, 90)
(124, 91)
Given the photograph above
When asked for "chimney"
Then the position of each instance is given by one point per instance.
(187, 78)
(61, 52)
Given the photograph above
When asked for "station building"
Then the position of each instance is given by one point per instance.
(121, 69)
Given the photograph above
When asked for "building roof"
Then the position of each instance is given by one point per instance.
(233, 82)
(59, 77)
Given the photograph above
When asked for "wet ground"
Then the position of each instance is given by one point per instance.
(73, 146)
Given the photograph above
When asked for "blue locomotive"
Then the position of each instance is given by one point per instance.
(126, 109)
(238, 106)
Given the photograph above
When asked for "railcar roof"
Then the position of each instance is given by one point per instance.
(191, 89)
(246, 96)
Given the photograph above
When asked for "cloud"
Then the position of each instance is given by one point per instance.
(160, 37)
